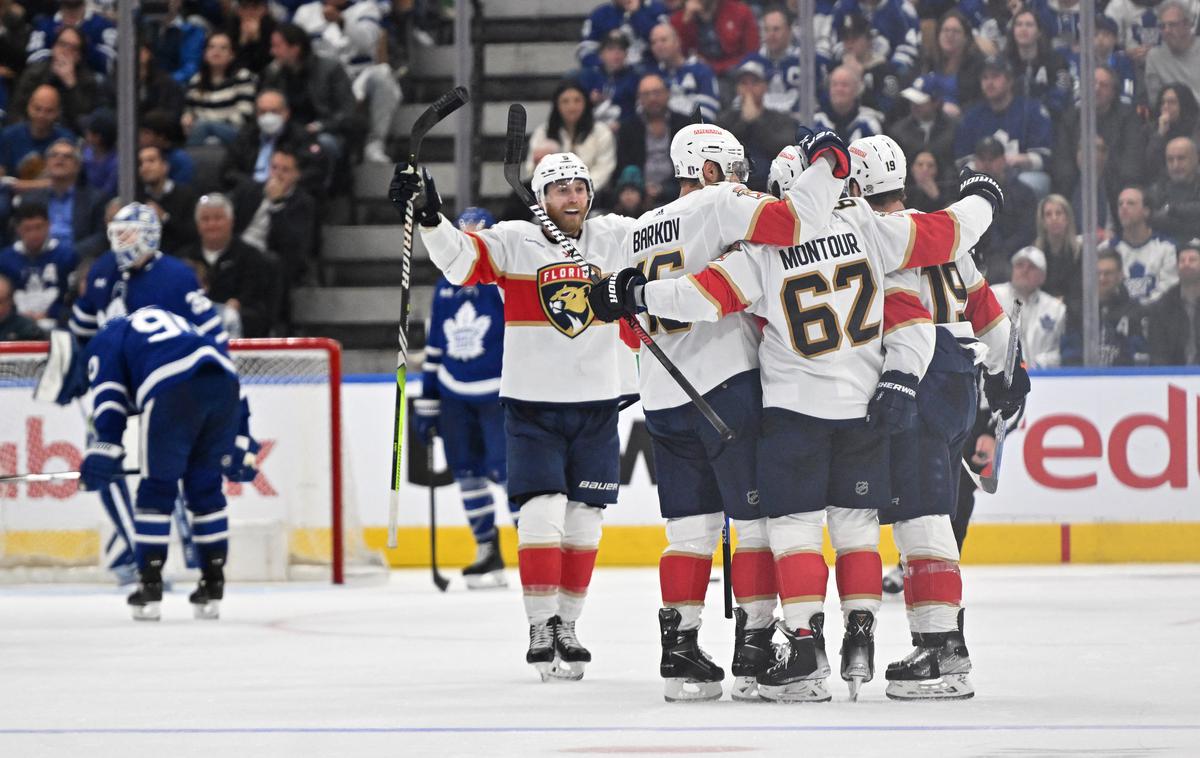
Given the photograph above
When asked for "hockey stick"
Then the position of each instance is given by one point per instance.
(439, 581)
(514, 156)
(990, 482)
(54, 476)
(444, 106)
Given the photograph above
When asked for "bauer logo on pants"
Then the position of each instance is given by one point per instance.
(563, 289)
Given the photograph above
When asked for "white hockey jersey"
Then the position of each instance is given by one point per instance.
(1150, 268)
(823, 302)
(681, 238)
(554, 351)
(1043, 320)
(354, 41)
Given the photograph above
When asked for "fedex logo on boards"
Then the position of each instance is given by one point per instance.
(1078, 438)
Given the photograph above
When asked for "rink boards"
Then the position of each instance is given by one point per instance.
(1105, 467)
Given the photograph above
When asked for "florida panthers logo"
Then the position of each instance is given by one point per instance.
(563, 289)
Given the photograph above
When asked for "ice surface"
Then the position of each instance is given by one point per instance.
(1078, 661)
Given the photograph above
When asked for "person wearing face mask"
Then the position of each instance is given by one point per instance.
(249, 157)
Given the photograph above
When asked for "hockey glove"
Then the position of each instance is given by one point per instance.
(617, 295)
(816, 144)
(241, 463)
(407, 184)
(1008, 400)
(101, 464)
(893, 407)
(426, 412)
(974, 183)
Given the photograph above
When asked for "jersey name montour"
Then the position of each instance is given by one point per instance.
(820, 249)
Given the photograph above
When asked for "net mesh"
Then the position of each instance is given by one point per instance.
(47, 526)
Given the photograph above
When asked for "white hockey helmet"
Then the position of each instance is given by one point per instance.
(879, 165)
(695, 145)
(560, 167)
(785, 170)
(134, 234)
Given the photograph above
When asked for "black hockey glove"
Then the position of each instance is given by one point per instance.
(816, 144)
(974, 183)
(1008, 400)
(407, 184)
(893, 407)
(617, 295)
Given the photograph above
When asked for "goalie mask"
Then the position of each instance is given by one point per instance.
(133, 234)
(879, 165)
(695, 145)
(785, 170)
(561, 167)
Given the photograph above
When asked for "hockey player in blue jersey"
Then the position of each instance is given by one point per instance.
(193, 428)
(135, 274)
(460, 402)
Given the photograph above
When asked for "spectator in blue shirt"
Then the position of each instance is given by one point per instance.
(22, 144)
(894, 21)
(846, 115)
(634, 18)
(178, 45)
(691, 81)
(39, 266)
(1107, 54)
(99, 33)
(781, 62)
(612, 85)
(1039, 73)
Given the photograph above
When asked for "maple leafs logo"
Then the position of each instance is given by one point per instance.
(465, 332)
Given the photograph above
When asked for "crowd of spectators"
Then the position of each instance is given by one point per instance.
(251, 114)
(993, 85)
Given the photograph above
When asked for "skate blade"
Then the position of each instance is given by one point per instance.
(803, 691)
(945, 687)
(209, 611)
(543, 669)
(855, 683)
(680, 690)
(494, 580)
(147, 612)
(745, 690)
(567, 671)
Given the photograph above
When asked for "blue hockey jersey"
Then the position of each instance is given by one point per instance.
(1023, 127)
(783, 79)
(133, 358)
(465, 343)
(893, 20)
(164, 282)
(41, 280)
(617, 92)
(636, 26)
(692, 84)
(99, 34)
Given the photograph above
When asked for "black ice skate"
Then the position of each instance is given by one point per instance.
(541, 648)
(893, 581)
(795, 677)
(858, 651)
(206, 600)
(487, 572)
(145, 602)
(690, 674)
(817, 625)
(570, 655)
(936, 669)
(752, 654)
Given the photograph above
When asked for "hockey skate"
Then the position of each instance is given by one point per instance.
(487, 572)
(690, 674)
(817, 625)
(893, 581)
(541, 648)
(752, 654)
(206, 600)
(570, 656)
(795, 677)
(145, 603)
(858, 651)
(936, 669)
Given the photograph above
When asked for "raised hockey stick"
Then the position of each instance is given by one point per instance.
(53, 476)
(514, 156)
(439, 581)
(442, 107)
(990, 482)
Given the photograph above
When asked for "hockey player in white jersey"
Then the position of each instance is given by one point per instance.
(926, 457)
(702, 478)
(828, 392)
(560, 382)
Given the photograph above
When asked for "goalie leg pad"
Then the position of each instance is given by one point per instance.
(933, 584)
(799, 565)
(581, 541)
(686, 564)
(539, 554)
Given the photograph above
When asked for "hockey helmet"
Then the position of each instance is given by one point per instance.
(560, 167)
(695, 145)
(785, 170)
(133, 234)
(878, 165)
(474, 219)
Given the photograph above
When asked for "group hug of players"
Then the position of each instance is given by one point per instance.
(839, 335)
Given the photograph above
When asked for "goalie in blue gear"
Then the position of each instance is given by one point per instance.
(460, 403)
(194, 427)
(135, 274)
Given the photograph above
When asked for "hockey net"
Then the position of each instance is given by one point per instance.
(293, 522)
